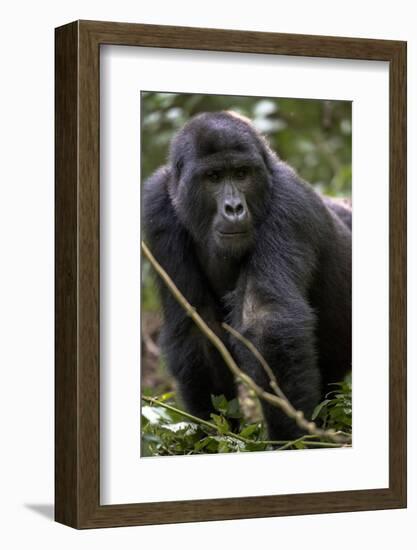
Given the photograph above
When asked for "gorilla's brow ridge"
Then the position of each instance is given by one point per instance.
(233, 159)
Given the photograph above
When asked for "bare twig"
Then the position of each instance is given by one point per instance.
(272, 378)
(150, 345)
(275, 400)
(304, 439)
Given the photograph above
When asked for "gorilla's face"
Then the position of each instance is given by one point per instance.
(221, 181)
(227, 186)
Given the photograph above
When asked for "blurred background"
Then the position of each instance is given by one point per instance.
(313, 136)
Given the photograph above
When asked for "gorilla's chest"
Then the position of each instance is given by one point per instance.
(221, 272)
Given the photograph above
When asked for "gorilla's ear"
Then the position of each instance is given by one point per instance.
(269, 158)
(178, 166)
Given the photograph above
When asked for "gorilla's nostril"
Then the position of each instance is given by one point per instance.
(233, 210)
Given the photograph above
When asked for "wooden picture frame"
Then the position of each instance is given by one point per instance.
(77, 374)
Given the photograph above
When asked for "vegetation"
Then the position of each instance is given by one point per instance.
(167, 430)
(313, 136)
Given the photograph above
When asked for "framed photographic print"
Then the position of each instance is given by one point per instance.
(230, 274)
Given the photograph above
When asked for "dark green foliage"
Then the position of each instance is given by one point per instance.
(150, 298)
(313, 136)
(336, 410)
(167, 432)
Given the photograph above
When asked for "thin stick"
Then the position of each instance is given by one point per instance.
(303, 438)
(280, 402)
(272, 379)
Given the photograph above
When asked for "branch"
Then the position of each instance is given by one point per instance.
(272, 378)
(275, 400)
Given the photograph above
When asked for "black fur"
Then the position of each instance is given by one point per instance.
(283, 281)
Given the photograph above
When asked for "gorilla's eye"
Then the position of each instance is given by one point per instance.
(241, 173)
(213, 176)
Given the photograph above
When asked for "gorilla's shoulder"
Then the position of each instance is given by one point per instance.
(342, 208)
(157, 182)
(155, 189)
(294, 199)
(157, 207)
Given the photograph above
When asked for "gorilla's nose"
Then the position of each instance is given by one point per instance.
(234, 210)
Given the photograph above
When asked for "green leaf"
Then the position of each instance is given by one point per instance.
(181, 427)
(255, 446)
(223, 446)
(166, 396)
(319, 407)
(219, 403)
(221, 423)
(201, 444)
(155, 414)
(212, 444)
(233, 409)
(249, 430)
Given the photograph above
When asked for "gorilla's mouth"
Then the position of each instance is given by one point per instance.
(231, 234)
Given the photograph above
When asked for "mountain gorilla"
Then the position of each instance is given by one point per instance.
(247, 242)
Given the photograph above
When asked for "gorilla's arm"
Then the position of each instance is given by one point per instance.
(276, 312)
(283, 330)
(194, 362)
